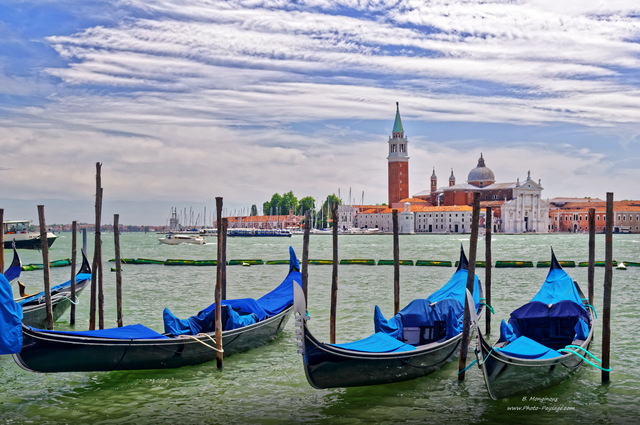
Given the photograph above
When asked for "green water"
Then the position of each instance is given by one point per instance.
(267, 385)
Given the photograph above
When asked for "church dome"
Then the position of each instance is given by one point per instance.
(481, 176)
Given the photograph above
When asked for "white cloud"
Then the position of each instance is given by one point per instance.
(191, 98)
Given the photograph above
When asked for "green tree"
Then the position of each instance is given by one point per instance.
(289, 203)
(272, 207)
(254, 210)
(305, 204)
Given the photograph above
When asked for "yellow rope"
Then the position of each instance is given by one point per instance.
(204, 343)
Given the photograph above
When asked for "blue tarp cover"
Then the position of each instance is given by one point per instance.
(554, 317)
(553, 326)
(448, 308)
(125, 332)
(558, 286)
(377, 343)
(10, 320)
(526, 348)
(240, 312)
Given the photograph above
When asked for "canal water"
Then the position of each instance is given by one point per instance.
(267, 385)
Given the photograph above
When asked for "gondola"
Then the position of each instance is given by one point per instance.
(247, 323)
(34, 307)
(544, 341)
(418, 340)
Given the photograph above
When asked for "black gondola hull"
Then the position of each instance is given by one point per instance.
(47, 352)
(327, 366)
(507, 376)
(35, 314)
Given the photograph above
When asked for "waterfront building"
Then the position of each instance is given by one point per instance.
(572, 215)
(517, 207)
(417, 217)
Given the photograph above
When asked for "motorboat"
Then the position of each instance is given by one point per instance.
(18, 231)
(177, 239)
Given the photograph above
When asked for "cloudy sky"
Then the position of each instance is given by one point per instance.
(186, 100)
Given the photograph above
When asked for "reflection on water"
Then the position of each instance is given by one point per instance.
(267, 385)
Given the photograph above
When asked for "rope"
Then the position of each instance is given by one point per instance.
(468, 367)
(589, 305)
(585, 350)
(71, 301)
(486, 357)
(564, 350)
(204, 343)
(489, 307)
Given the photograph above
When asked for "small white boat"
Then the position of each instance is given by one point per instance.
(173, 239)
(621, 266)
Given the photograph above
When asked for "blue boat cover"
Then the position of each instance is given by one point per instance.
(79, 277)
(526, 348)
(554, 317)
(10, 320)
(558, 286)
(379, 342)
(444, 308)
(125, 332)
(241, 312)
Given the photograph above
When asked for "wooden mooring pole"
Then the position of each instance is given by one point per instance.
(44, 244)
(116, 242)
(96, 266)
(220, 271)
(606, 303)
(396, 263)
(487, 269)
(305, 255)
(464, 343)
(74, 242)
(334, 276)
(592, 254)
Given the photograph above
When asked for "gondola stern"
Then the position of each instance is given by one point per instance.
(294, 263)
(15, 268)
(463, 263)
(85, 268)
(555, 264)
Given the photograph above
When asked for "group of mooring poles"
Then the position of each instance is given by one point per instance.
(97, 293)
(334, 275)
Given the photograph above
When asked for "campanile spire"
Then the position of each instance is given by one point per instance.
(398, 161)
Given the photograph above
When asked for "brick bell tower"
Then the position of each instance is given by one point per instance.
(398, 160)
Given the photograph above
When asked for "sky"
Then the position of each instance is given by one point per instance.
(183, 101)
